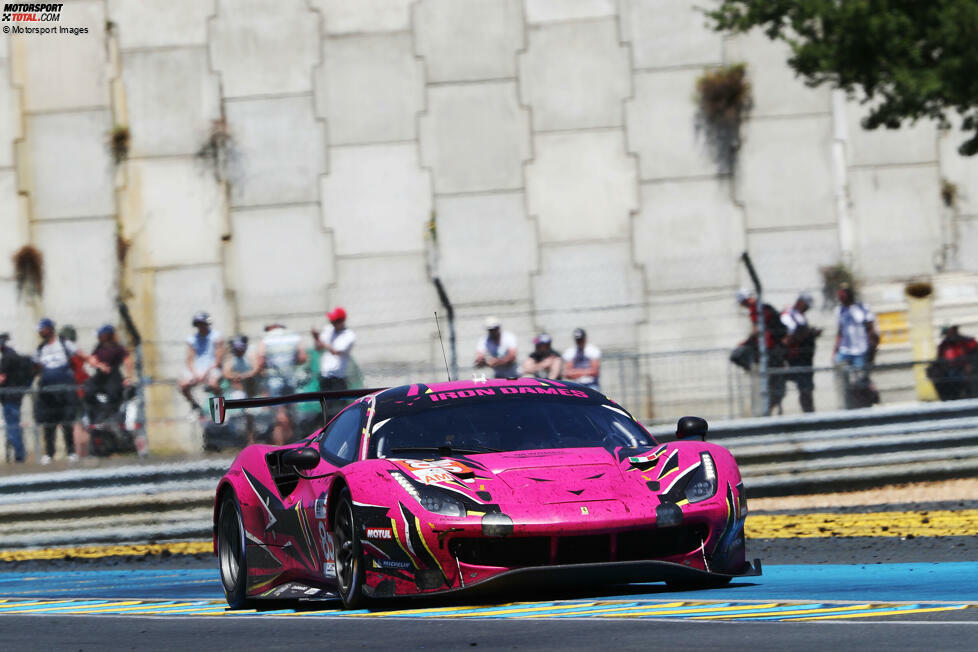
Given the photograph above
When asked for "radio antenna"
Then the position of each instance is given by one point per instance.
(442, 342)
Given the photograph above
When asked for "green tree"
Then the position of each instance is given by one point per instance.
(910, 59)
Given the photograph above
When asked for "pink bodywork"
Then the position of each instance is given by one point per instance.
(560, 502)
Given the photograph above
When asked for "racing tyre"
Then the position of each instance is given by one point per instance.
(349, 553)
(231, 551)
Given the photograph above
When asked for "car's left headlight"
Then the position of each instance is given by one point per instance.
(703, 485)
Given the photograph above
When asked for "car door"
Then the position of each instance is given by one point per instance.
(338, 446)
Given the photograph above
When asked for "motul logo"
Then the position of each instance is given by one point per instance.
(379, 533)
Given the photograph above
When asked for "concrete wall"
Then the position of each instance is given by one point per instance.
(546, 156)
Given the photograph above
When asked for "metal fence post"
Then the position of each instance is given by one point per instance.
(761, 335)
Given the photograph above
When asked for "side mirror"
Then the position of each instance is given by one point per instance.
(303, 459)
(689, 427)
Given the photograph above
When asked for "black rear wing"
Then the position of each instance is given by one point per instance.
(220, 405)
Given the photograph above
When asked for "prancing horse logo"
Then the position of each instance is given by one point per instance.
(584, 510)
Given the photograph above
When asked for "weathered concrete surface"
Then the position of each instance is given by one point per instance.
(370, 218)
(546, 11)
(475, 137)
(172, 99)
(370, 89)
(160, 23)
(281, 260)
(575, 75)
(363, 16)
(278, 150)
(577, 177)
(668, 33)
(464, 41)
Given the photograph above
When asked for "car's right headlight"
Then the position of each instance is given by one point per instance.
(432, 499)
(703, 485)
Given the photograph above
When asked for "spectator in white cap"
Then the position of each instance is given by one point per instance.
(543, 362)
(583, 361)
(205, 353)
(497, 350)
(800, 349)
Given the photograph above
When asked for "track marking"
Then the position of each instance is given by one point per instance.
(895, 612)
(924, 523)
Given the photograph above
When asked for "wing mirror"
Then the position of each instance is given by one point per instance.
(689, 427)
(303, 459)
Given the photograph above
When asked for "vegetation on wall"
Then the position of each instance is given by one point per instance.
(723, 97)
(29, 271)
(119, 143)
(216, 150)
(908, 59)
(833, 278)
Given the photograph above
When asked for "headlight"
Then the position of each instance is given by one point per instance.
(703, 484)
(431, 499)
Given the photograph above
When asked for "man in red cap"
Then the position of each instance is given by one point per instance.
(334, 344)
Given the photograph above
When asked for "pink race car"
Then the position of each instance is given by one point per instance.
(425, 489)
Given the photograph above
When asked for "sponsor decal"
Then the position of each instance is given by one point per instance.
(326, 546)
(435, 397)
(392, 563)
(584, 510)
(434, 471)
(380, 533)
(321, 506)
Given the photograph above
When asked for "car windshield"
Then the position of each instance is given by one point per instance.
(505, 424)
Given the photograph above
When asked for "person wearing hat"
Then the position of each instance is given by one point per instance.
(497, 350)
(543, 362)
(954, 371)
(57, 399)
(16, 376)
(205, 353)
(334, 343)
(800, 349)
(582, 362)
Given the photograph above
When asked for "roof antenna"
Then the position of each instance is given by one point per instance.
(442, 342)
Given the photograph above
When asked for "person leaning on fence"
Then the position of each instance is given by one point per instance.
(582, 362)
(57, 399)
(855, 347)
(543, 362)
(335, 344)
(800, 349)
(497, 350)
(280, 355)
(16, 377)
(774, 334)
(205, 354)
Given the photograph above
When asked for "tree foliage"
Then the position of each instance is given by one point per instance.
(910, 59)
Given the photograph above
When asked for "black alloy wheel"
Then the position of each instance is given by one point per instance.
(348, 553)
(231, 551)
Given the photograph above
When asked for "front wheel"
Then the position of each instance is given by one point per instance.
(349, 554)
(231, 551)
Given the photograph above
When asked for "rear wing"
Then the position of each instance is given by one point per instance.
(220, 405)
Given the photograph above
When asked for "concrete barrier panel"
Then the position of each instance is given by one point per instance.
(962, 171)
(281, 260)
(475, 137)
(548, 11)
(367, 216)
(487, 247)
(172, 99)
(780, 161)
(13, 226)
(581, 186)
(688, 234)
(669, 33)
(80, 295)
(674, 323)
(262, 47)
(662, 126)
(592, 285)
(169, 196)
(464, 41)
(278, 151)
(908, 144)
(775, 89)
(896, 211)
(379, 293)
(160, 23)
(575, 75)
(370, 89)
(65, 71)
(69, 164)
(364, 16)
(789, 261)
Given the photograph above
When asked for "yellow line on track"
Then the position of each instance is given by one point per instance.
(95, 552)
(895, 612)
(81, 608)
(656, 610)
(508, 612)
(786, 613)
(921, 523)
(608, 610)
